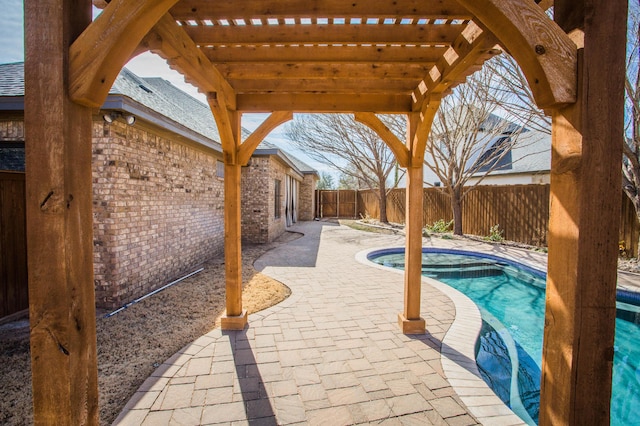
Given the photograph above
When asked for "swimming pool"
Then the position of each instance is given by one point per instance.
(511, 300)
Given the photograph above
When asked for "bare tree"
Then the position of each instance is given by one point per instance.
(475, 132)
(631, 147)
(350, 147)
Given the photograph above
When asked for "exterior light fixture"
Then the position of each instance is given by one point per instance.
(130, 119)
(110, 117)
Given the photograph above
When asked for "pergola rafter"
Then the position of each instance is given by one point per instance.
(362, 57)
(314, 9)
(372, 54)
(331, 34)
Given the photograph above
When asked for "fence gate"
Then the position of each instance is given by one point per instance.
(337, 203)
(14, 293)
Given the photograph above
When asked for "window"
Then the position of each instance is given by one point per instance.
(277, 194)
(220, 169)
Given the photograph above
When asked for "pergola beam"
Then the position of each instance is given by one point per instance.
(304, 102)
(323, 34)
(348, 71)
(323, 86)
(281, 9)
(421, 128)
(253, 140)
(321, 54)
(545, 53)
(182, 54)
(227, 122)
(98, 54)
(399, 149)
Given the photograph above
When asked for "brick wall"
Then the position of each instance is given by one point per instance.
(12, 130)
(158, 211)
(276, 224)
(306, 198)
(158, 206)
(259, 224)
(255, 198)
(12, 154)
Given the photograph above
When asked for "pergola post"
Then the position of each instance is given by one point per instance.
(409, 320)
(584, 219)
(59, 220)
(234, 318)
(418, 129)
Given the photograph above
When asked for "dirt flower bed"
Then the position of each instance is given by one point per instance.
(132, 343)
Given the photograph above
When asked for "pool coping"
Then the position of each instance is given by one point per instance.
(458, 348)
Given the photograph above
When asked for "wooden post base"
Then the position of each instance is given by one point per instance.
(235, 322)
(414, 326)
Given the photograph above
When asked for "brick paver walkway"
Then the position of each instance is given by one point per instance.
(331, 354)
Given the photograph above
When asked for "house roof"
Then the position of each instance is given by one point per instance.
(153, 99)
(533, 155)
(267, 148)
(12, 79)
(161, 96)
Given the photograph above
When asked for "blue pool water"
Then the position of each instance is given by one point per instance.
(511, 300)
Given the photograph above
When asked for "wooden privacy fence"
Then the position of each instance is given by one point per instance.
(521, 211)
(14, 292)
(337, 203)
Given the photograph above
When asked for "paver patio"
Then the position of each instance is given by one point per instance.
(332, 353)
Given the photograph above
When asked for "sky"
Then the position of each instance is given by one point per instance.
(145, 65)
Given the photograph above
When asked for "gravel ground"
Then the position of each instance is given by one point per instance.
(132, 343)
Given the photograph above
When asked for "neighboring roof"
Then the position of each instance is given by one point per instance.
(532, 154)
(153, 99)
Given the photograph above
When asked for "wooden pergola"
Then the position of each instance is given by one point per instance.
(360, 57)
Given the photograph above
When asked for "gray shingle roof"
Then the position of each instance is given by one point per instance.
(267, 147)
(163, 97)
(12, 79)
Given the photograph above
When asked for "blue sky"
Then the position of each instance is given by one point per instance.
(11, 33)
(145, 65)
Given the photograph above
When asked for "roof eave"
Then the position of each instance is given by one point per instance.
(126, 104)
(280, 155)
